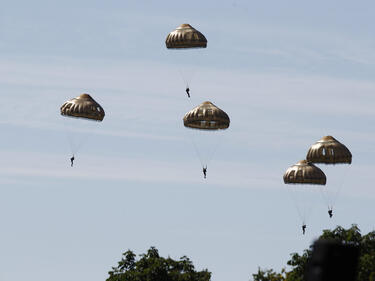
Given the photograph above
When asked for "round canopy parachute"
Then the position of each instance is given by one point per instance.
(83, 106)
(206, 116)
(304, 172)
(328, 150)
(185, 36)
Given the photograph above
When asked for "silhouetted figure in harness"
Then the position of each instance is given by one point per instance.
(205, 171)
(188, 91)
(71, 161)
(330, 213)
(303, 229)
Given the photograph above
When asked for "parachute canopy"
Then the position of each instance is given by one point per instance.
(206, 116)
(83, 106)
(185, 36)
(304, 172)
(328, 150)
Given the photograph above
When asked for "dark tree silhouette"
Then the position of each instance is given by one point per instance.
(152, 267)
(352, 235)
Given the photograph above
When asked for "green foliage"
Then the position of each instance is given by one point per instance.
(269, 275)
(152, 267)
(298, 263)
(366, 266)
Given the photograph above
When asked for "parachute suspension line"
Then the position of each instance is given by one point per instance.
(301, 215)
(206, 158)
(186, 82)
(76, 138)
(69, 139)
(337, 192)
(197, 151)
(324, 195)
(187, 76)
(304, 207)
(216, 145)
(71, 144)
(331, 193)
(76, 143)
(81, 141)
(187, 71)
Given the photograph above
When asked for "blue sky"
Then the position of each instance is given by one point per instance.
(286, 73)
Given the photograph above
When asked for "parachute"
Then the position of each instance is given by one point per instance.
(331, 152)
(185, 36)
(304, 172)
(206, 121)
(83, 106)
(81, 109)
(206, 116)
(328, 150)
(304, 180)
(186, 39)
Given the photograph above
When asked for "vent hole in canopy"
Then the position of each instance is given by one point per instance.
(291, 175)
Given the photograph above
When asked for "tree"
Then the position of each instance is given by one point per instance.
(269, 275)
(152, 267)
(352, 235)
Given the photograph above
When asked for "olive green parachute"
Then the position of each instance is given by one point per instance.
(83, 106)
(206, 116)
(185, 36)
(328, 150)
(304, 172)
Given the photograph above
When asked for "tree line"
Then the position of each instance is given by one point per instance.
(152, 267)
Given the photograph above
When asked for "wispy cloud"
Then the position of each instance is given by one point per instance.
(27, 167)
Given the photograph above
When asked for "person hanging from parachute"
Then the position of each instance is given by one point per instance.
(82, 107)
(205, 171)
(300, 175)
(329, 151)
(188, 91)
(206, 117)
(185, 37)
(330, 212)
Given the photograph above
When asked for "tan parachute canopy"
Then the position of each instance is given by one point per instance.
(304, 172)
(83, 106)
(206, 116)
(185, 36)
(328, 150)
